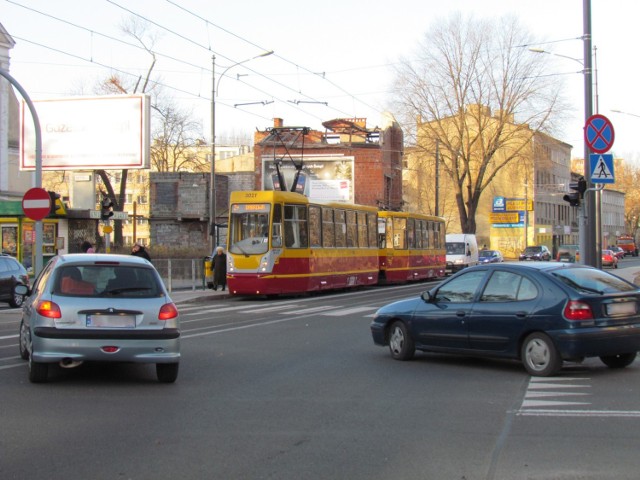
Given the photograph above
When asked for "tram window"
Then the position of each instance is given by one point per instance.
(341, 228)
(315, 225)
(328, 228)
(372, 230)
(426, 227)
(400, 233)
(389, 230)
(411, 233)
(352, 229)
(276, 228)
(295, 226)
(363, 237)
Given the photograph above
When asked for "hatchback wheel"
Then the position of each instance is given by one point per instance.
(401, 344)
(539, 355)
(23, 341)
(619, 361)
(167, 372)
(38, 372)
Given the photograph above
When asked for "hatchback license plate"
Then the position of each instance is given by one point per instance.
(627, 308)
(111, 321)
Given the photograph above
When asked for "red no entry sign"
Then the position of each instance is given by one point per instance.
(36, 203)
(598, 133)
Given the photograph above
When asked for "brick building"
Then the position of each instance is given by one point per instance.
(346, 162)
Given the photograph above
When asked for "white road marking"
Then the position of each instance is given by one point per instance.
(348, 311)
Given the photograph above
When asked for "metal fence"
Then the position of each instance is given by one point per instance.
(181, 273)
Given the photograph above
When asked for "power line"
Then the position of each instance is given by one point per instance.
(197, 67)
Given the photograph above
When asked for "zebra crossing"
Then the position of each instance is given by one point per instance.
(564, 397)
(282, 309)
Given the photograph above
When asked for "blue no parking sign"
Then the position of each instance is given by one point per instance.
(599, 133)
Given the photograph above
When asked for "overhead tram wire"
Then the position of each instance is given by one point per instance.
(123, 72)
(276, 55)
(208, 49)
(139, 47)
(108, 37)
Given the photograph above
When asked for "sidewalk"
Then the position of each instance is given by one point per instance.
(631, 274)
(197, 295)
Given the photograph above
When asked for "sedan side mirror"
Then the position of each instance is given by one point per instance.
(426, 296)
(21, 290)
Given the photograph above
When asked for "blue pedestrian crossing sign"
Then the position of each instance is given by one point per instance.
(601, 168)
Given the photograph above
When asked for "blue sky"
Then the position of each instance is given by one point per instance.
(332, 59)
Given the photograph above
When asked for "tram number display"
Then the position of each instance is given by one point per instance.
(250, 207)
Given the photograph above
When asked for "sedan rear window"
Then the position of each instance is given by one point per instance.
(592, 280)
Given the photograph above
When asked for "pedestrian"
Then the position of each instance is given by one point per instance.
(86, 247)
(139, 250)
(219, 269)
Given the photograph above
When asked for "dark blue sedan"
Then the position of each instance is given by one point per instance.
(539, 313)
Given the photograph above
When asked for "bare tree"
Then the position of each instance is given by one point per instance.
(174, 135)
(463, 69)
(175, 141)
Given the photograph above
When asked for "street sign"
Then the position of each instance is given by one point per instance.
(601, 168)
(36, 203)
(599, 133)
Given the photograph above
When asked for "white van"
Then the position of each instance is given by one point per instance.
(462, 251)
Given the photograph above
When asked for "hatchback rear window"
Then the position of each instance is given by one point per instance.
(592, 280)
(107, 281)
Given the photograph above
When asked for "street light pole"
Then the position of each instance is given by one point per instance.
(212, 179)
(591, 251)
(215, 87)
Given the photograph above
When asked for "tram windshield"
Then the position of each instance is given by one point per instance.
(249, 229)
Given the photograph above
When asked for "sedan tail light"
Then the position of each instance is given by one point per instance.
(167, 312)
(575, 310)
(48, 309)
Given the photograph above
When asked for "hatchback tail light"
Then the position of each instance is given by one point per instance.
(48, 309)
(167, 312)
(575, 310)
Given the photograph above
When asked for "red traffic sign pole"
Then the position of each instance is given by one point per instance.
(36, 203)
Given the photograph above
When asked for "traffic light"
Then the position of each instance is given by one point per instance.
(574, 198)
(106, 209)
(57, 207)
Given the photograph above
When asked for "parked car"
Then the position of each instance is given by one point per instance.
(12, 273)
(618, 252)
(541, 314)
(102, 308)
(490, 256)
(609, 259)
(537, 252)
(568, 253)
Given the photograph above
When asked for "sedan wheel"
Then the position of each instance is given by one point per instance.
(23, 341)
(619, 361)
(16, 300)
(539, 355)
(401, 344)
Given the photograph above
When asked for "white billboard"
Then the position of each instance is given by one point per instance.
(80, 133)
(325, 177)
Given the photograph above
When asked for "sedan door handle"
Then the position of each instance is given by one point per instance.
(461, 313)
(521, 314)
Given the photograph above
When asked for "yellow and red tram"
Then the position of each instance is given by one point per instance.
(411, 247)
(283, 242)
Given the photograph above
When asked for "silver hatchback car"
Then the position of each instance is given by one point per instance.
(102, 308)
